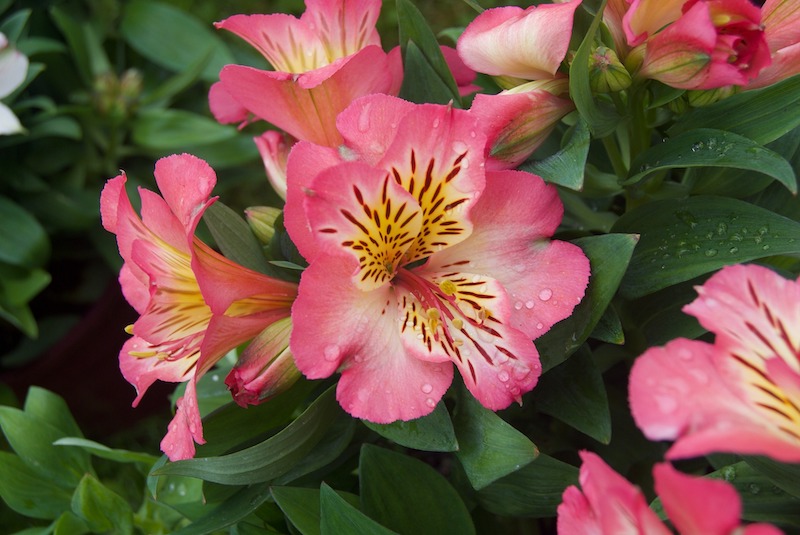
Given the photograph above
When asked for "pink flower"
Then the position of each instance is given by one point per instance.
(419, 260)
(742, 393)
(518, 120)
(274, 148)
(195, 304)
(322, 61)
(610, 505)
(522, 43)
(781, 20)
(714, 43)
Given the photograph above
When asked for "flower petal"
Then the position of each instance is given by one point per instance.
(142, 372)
(224, 107)
(343, 26)
(185, 428)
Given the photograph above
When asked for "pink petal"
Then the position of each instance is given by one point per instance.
(344, 26)
(575, 514)
(781, 20)
(644, 18)
(336, 326)
(529, 44)
(224, 107)
(142, 372)
(186, 427)
(696, 505)
(785, 64)
(463, 75)
(274, 148)
(186, 183)
(513, 221)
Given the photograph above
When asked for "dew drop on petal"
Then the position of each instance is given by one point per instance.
(540, 325)
(546, 294)
(684, 354)
(518, 305)
(331, 352)
(427, 388)
(430, 402)
(529, 304)
(503, 376)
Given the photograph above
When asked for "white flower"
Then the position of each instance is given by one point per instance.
(13, 70)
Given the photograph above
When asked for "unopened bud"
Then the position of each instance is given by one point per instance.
(606, 72)
(699, 98)
(262, 221)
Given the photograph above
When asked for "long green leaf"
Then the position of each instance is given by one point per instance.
(762, 115)
(23, 240)
(234, 237)
(167, 129)
(269, 459)
(566, 167)
(409, 496)
(337, 516)
(429, 433)
(684, 238)
(229, 512)
(302, 506)
(706, 147)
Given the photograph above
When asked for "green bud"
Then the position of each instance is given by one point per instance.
(262, 221)
(606, 72)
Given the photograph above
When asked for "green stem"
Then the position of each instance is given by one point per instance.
(615, 157)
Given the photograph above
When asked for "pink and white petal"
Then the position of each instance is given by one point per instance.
(361, 211)
(289, 44)
(785, 63)
(336, 326)
(677, 393)
(529, 44)
(224, 283)
(142, 372)
(752, 310)
(186, 427)
(274, 148)
(575, 514)
(781, 20)
(645, 17)
(344, 26)
(513, 220)
(618, 505)
(306, 161)
(111, 196)
(186, 183)
(135, 290)
(463, 75)
(370, 124)
(163, 227)
(697, 505)
(224, 107)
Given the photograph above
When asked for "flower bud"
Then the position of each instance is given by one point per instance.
(606, 72)
(700, 98)
(262, 221)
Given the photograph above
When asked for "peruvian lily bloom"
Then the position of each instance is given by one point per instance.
(274, 148)
(781, 20)
(739, 395)
(610, 505)
(419, 260)
(322, 61)
(13, 70)
(521, 43)
(518, 120)
(714, 43)
(195, 304)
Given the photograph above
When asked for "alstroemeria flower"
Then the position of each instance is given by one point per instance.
(195, 304)
(274, 148)
(518, 120)
(523, 43)
(739, 395)
(781, 20)
(322, 61)
(419, 260)
(610, 505)
(13, 70)
(714, 43)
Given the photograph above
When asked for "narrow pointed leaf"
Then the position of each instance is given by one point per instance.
(429, 433)
(302, 506)
(269, 459)
(103, 509)
(337, 516)
(229, 512)
(684, 238)
(30, 493)
(786, 476)
(234, 237)
(409, 496)
(566, 167)
(489, 447)
(100, 450)
(706, 147)
(425, 84)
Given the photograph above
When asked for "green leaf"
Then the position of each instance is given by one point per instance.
(13, 25)
(337, 516)
(489, 447)
(269, 459)
(52, 409)
(87, 50)
(172, 38)
(601, 117)
(32, 439)
(418, 42)
(331, 446)
(68, 524)
(574, 393)
(229, 512)
(29, 492)
(433, 432)
(684, 238)
(99, 450)
(103, 509)
(408, 496)
(762, 115)
(533, 491)
(167, 129)
(234, 237)
(178, 83)
(23, 241)
(302, 506)
(608, 255)
(706, 147)
(784, 475)
(566, 167)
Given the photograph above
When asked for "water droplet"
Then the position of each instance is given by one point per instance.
(503, 376)
(358, 358)
(753, 488)
(698, 146)
(722, 229)
(540, 326)
(518, 305)
(427, 388)
(521, 372)
(459, 147)
(765, 247)
(430, 402)
(215, 377)
(529, 304)
(472, 134)
(363, 118)
(711, 252)
(331, 352)
(436, 123)
(729, 473)
(546, 294)
(733, 250)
